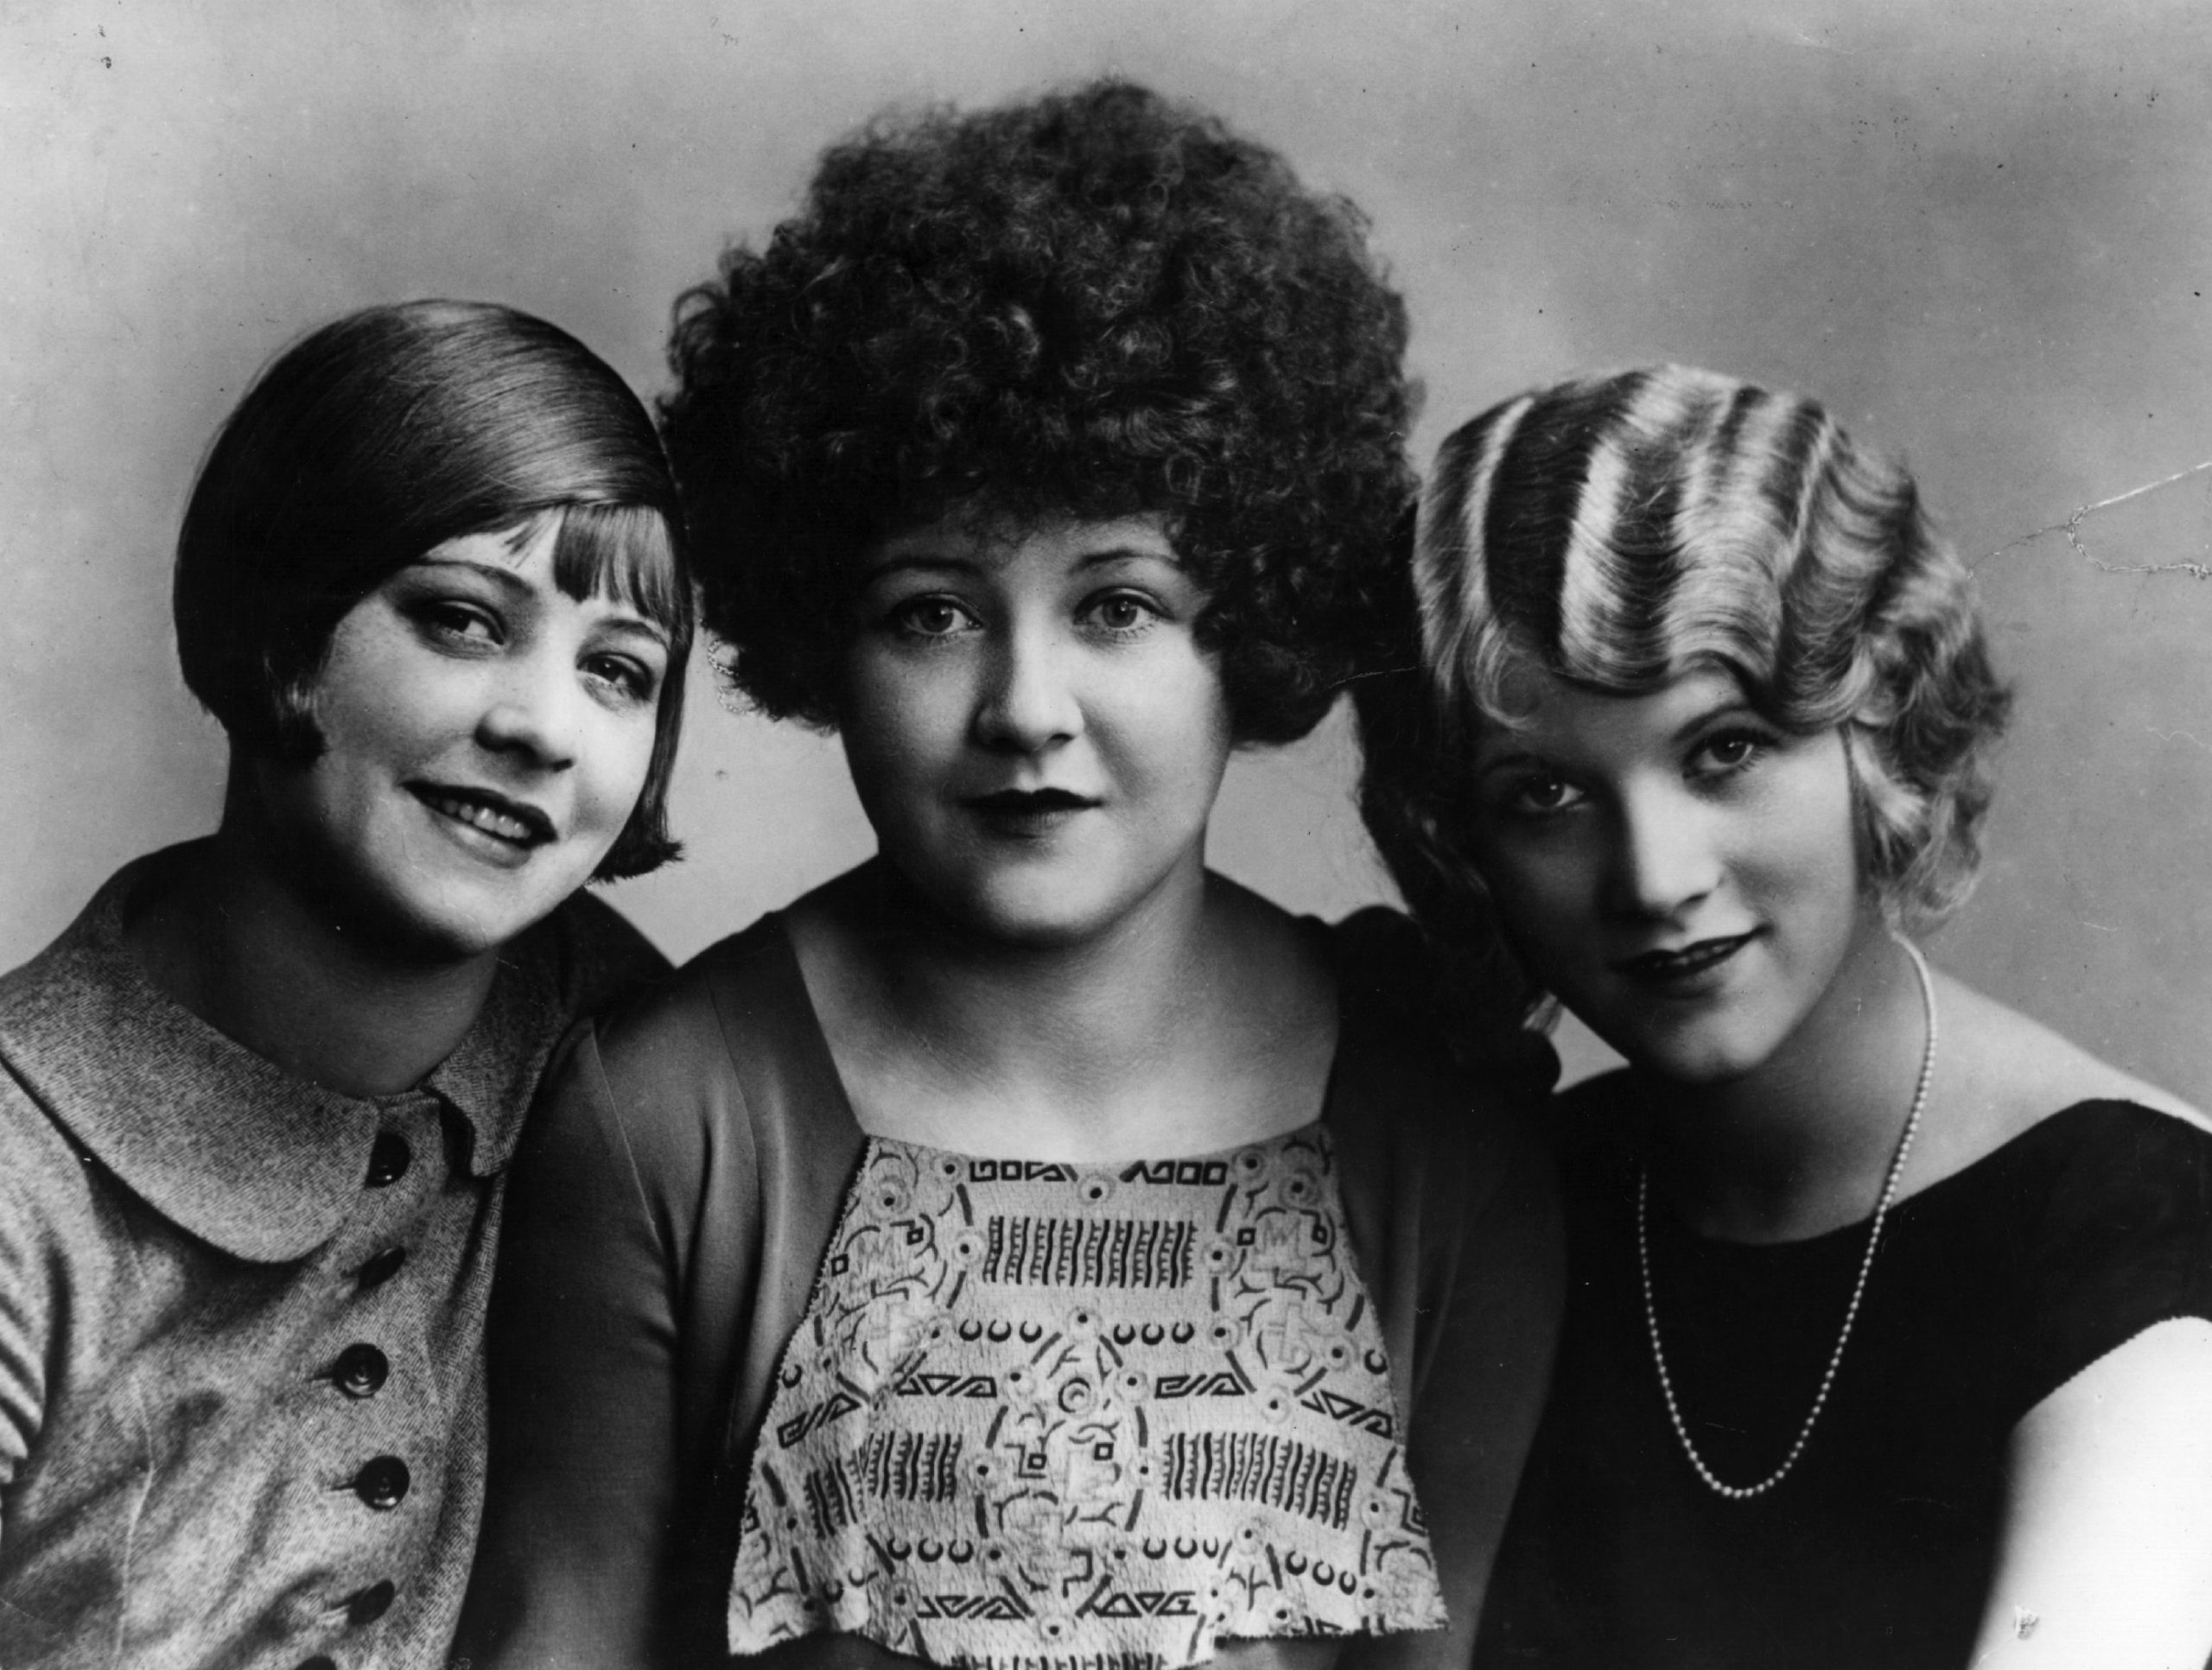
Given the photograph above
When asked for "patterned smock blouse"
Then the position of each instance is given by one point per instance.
(1051, 1417)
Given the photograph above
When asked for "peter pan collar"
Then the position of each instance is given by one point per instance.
(222, 1142)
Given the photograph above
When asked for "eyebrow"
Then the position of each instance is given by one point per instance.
(1727, 709)
(920, 562)
(1129, 554)
(1680, 734)
(506, 579)
(931, 561)
(1510, 761)
(629, 620)
(638, 625)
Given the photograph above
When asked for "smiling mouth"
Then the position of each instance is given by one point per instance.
(1685, 962)
(489, 813)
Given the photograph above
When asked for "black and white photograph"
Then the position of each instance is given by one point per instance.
(1108, 837)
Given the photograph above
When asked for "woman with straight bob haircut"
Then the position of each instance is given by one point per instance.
(258, 1100)
(1030, 1249)
(1888, 1338)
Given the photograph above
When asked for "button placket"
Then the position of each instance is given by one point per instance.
(387, 1219)
(366, 1606)
(379, 1268)
(361, 1368)
(384, 1213)
(359, 1371)
(382, 1484)
(356, 1611)
(390, 1156)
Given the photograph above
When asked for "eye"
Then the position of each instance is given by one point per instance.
(630, 679)
(1726, 752)
(929, 617)
(1122, 613)
(1537, 794)
(452, 621)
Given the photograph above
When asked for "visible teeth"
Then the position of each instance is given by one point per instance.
(478, 816)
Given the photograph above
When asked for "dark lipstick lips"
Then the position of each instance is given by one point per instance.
(1030, 803)
(539, 826)
(1690, 960)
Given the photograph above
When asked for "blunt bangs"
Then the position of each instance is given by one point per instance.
(625, 552)
(628, 553)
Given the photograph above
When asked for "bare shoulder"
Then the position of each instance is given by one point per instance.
(2017, 1071)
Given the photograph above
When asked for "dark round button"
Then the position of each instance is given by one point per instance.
(320, 1661)
(359, 1371)
(383, 1267)
(389, 1159)
(382, 1484)
(370, 1604)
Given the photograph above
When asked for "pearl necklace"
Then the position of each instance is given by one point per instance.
(1743, 1493)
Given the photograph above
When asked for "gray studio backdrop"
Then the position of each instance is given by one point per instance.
(1983, 234)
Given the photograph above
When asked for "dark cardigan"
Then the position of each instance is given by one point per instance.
(671, 1201)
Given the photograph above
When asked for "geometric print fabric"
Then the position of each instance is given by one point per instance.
(1042, 1416)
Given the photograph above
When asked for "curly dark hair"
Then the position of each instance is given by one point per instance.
(1096, 303)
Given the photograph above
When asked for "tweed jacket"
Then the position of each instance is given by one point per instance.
(241, 1392)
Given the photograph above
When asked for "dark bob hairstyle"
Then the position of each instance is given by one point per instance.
(1093, 303)
(376, 439)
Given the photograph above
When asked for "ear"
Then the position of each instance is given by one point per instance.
(1889, 822)
(294, 739)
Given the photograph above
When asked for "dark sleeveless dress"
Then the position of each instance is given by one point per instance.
(1992, 1288)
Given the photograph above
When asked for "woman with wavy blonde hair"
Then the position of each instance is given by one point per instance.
(1890, 1331)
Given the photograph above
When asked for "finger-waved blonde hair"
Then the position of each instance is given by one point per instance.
(1619, 531)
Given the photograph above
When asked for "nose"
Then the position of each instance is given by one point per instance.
(1663, 859)
(533, 712)
(1028, 703)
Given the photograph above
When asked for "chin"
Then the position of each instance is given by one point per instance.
(1693, 1068)
(448, 935)
(1701, 1053)
(1037, 929)
(420, 900)
(448, 925)
(1029, 913)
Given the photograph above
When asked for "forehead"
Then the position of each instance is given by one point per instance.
(618, 555)
(989, 541)
(525, 551)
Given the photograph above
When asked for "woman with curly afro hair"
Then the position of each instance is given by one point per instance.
(1030, 1249)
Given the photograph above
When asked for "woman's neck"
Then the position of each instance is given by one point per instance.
(1802, 1143)
(1141, 1039)
(249, 952)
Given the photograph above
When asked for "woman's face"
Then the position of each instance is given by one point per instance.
(486, 737)
(1034, 730)
(1678, 871)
